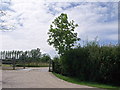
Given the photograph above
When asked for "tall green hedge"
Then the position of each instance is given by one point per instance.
(92, 62)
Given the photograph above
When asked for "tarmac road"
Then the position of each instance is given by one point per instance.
(34, 78)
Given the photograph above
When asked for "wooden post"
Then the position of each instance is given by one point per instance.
(53, 66)
(49, 65)
(14, 63)
(24, 63)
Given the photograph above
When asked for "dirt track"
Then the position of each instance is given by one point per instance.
(34, 78)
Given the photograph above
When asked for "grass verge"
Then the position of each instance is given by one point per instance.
(92, 84)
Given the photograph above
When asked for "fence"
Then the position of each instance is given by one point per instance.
(11, 62)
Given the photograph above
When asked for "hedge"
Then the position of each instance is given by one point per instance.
(91, 62)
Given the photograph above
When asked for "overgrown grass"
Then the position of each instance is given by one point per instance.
(42, 65)
(92, 84)
(27, 65)
(6, 65)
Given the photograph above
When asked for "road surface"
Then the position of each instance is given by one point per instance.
(34, 78)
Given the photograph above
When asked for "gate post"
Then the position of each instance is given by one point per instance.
(53, 66)
(14, 63)
(24, 63)
(23, 60)
(49, 65)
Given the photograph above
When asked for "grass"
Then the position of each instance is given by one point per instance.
(28, 65)
(42, 65)
(92, 84)
(10, 67)
(6, 65)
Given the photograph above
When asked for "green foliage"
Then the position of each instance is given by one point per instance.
(61, 34)
(28, 58)
(92, 62)
(45, 58)
(87, 83)
(74, 62)
(39, 64)
(57, 65)
(35, 53)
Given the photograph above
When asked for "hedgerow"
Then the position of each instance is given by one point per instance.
(91, 62)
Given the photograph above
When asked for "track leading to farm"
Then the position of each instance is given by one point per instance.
(34, 78)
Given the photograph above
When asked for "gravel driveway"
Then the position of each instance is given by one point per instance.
(34, 78)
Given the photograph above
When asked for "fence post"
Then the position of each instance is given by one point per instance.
(53, 66)
(24, 63)
(14, 63)
(49, 65)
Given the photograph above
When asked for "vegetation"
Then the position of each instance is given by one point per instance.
(91, 84)
(91, 62)
(61, 34)
(32, 58)
(40, 64)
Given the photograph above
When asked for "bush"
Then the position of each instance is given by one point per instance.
(56, 65)
(91, 62)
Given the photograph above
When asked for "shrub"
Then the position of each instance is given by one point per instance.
(91, 62)
(56, 65)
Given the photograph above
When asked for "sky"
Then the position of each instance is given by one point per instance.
(31, 19)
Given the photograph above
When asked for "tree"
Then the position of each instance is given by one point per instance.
(36, 53)
(45, 58)
(61, 34)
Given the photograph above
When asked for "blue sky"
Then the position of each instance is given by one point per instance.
(32, 20)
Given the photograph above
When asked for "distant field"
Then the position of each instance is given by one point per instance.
(34, 65)
(18, 66)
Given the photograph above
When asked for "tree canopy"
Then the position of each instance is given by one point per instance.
(61, 34)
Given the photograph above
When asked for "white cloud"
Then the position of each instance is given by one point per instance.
(95, 20)
(33, 34)
(112, 37)
(36, 16)
(83, 0)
